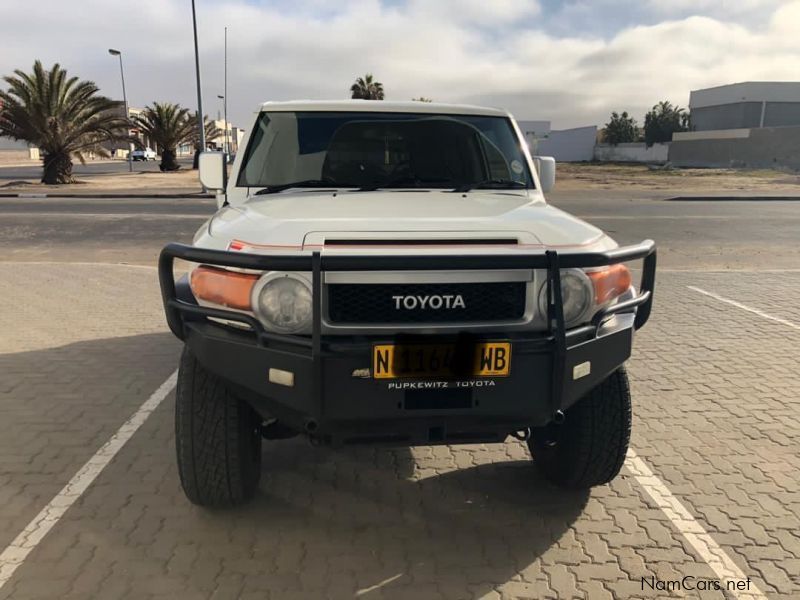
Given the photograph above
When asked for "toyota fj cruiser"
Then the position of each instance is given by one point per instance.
(386, 272)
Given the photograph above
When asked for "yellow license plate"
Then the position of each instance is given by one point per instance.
(486, 359)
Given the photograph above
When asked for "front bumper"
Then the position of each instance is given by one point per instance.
(334, 399)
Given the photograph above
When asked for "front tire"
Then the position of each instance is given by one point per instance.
(589, 448)
(217, 438)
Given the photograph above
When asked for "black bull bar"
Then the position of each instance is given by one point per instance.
(317, 263)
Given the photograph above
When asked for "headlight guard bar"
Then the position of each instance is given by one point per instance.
(316, 263)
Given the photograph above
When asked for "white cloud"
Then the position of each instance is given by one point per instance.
(498, 52)
(713, 7)
(475, 12)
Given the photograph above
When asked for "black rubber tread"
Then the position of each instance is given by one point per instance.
(590, 446)
(217, 439)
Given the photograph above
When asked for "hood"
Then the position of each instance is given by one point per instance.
(303, 220)
(366, 206)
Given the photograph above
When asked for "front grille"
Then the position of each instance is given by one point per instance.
(374, 303)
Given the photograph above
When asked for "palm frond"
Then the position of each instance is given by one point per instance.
(366, 88)
(59, 114)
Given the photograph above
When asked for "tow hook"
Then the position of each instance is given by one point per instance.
(550, 432)
(523, 435)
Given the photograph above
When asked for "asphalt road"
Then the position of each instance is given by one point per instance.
(713, 234)
(710, 491)
(691, 235)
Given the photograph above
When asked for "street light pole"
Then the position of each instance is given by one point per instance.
(200, 121)
(225, 93)
(113, 52)
(225, 116)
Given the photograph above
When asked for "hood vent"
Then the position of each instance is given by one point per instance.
(424, 242)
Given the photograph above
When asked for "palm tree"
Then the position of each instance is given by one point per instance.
(366, 88)
(168, 125)
(211, 131)
(63, 116)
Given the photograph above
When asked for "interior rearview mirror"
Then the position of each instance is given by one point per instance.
(213, 171)
(546, 167)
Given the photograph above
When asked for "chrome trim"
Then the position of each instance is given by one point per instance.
(378, 277)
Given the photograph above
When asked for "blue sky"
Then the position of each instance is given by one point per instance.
(572, 62)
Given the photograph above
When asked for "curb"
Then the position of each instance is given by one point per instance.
(733, 199)
(196, 195)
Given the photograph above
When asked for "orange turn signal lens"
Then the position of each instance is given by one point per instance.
(223, 287)
(610, 283)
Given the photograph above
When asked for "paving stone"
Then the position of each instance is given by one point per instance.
(715, 418)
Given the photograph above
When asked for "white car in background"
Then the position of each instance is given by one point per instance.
(144, 154)
(390, 272)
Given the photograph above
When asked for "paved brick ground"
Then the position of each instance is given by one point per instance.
(719, 414)
(716, 418)
(78, 354)
(49, 305)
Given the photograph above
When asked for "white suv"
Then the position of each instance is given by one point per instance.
(386, 272)
(144, 154)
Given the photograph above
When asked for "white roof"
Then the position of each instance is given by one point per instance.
(381, 106)
(746, 91)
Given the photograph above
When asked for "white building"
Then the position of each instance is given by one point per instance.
(746, 105)
(566, 145)
(235, 135)
(753, 124)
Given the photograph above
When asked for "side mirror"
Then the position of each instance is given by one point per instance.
(546, 167)
(213, 171)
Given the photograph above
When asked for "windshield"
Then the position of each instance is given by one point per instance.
(371, 149)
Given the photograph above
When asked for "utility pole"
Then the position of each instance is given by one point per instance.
(200, 121)
(114, 52)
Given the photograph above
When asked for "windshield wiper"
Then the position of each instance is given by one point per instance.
(495, 184)
(273, 189)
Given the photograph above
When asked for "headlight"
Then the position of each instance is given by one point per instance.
(577, 296)
(284, 303)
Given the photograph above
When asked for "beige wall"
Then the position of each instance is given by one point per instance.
(766, 147)
(713, 134)
(9, 156)
(635, 152)
(12, 151)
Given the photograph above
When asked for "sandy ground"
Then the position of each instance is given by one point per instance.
(184, 181)
(588, 176)
(570, 177)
